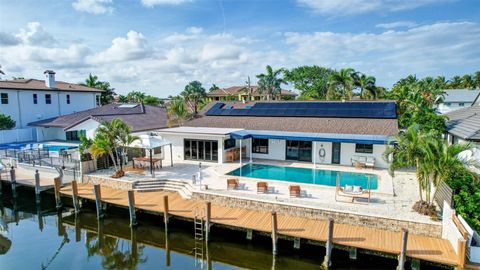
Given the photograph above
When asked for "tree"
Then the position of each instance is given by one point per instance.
(368, 90)
(341, 84)
(468, 81)
(1, 71)
(122, 99)
(6, 122)
(151, 100)
(248, 87)
(108, 92)
(213, 88)
(477, 79)
(136, 96)
(176, 111)
(270, 82)
(193, 95)
(311, 81)
(455, 82)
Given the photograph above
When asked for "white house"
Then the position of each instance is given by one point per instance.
(456, 99)
(318, 132)
(30, 100)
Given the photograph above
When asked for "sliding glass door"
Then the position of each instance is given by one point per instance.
(299, 150)
(200, 150)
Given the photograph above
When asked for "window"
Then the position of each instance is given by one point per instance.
(200, 150)
(448, 103)
(35, 99)
(74, 135)
(48, 99)
(364, 148)
(230, 143)
(4, 97)
(461, 104)
(98, 100)
(68, 99)
(260, 146)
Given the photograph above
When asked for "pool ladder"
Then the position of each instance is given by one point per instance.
(199, 233)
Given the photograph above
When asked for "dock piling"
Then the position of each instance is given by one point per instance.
(37, 186)
(76, 202)
(13, 182)
(98, 200)
(274, 233)
(249, 234)
(57, 184)
(296, 243)
(165, 211)
(131, 208)
(352, 253)
(327, 262)
(208, 213)
(403, 253)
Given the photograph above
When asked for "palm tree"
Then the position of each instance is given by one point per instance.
(249, 88)
(441, 82)
(136, 96)
(92, 81)
(341, 83)
(193, 94)
(122, 99)
(477, 79)
(455, 82)
(1, 71)
(270, 83)
(176, 111)
(368, 90)
(468, 81)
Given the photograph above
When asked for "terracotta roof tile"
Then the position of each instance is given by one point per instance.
(34, 84)
(235, 90)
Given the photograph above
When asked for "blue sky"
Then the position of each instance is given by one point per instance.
(157, 46)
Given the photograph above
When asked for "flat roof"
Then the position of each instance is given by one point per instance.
(199, 130)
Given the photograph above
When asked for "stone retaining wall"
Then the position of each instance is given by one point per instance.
(107, 182)
(432, 230)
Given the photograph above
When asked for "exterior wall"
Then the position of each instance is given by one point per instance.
(22, 109)
(177, 144)
(452, 106)
(47, 134)
(348, 150)
(18, 135)
(276, 150)
(90, 126)
(327, 159)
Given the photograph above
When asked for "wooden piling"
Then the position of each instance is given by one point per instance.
(131, 208)
(165, 209)
(78, 229)
(133, 243)
(296, 243)
(327, 262)
(274, 233)
(76, 202)
(13, 181)
(167, 247)
(208, 214)
(249, 234)
(352, 253)
(57, 186)
(403, 253)
(462, 250)
(37, 186)
(98, 200)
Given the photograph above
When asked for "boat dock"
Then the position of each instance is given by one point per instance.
(402, 244)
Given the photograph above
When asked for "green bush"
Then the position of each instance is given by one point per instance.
(6, 122)
(467, 197)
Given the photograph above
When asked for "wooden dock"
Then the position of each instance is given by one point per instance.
(418, 247)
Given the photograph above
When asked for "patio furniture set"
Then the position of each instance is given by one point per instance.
(263, 187)
(363, 162)
(234, 154)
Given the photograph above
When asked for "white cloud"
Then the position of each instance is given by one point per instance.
(392, 25)
(194, 30)
(93, 6)
(354, 7)
(35, 34)
(151, 3)
(132, 47)
(7, 39)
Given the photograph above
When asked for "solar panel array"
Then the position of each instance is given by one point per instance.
(380, 109)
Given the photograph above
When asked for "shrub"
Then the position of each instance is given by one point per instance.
(6, 122)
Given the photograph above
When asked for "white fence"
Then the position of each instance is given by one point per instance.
(18, 135)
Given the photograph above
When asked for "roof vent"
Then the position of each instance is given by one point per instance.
(129, 106)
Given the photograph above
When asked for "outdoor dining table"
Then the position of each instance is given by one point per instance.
(146, 161)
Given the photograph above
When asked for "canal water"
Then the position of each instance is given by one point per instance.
(36, 236)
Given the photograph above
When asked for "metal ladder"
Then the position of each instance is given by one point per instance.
(199, 233)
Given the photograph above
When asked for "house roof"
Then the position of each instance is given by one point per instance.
(338, 125)
(140, 117)
(39, 85)
(461, 95)
(235, 90)
(465, 123)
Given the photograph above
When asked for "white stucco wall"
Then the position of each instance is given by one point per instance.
(327, 146)
(90, 126)
(276, 150)
(348, 150)
(22, 109)
(47, 134)
(452, 106)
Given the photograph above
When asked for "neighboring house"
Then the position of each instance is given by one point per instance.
(29, 100)
(239, 93)
(458, 99)
(326, 132)
(141, 119)
(464, 125)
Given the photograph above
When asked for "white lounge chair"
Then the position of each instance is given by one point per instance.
(370, 162)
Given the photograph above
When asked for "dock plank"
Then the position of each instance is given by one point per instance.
(418, 247)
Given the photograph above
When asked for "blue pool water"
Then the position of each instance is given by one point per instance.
(50, 147)
(304, 175)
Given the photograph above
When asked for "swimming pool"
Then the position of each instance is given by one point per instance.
(304, 175)
(49, 147)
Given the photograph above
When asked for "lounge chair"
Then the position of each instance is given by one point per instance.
(232, 183)
(353, 192)
(294, 190)
(370, 162)
(262, 187)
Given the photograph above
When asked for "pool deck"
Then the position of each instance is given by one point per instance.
(393, 199)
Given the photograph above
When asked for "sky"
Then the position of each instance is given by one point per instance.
(158, 46)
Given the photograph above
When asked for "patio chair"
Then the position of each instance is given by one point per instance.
(294, 190)
(232, 183)
(262, 187)
(352, 192)
(370, 162)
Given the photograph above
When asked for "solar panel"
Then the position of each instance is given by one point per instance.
(380, 109)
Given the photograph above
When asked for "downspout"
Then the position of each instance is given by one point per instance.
(58, 98)
(19, 110)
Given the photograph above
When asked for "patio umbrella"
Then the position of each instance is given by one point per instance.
(150, 142)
